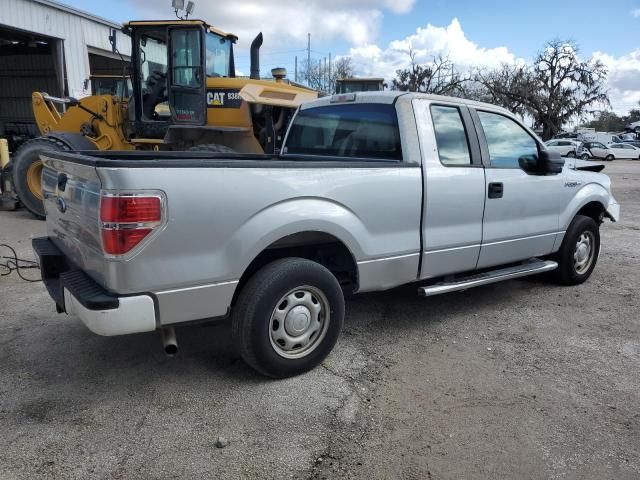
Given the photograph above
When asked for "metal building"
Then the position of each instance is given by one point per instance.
(50, 47)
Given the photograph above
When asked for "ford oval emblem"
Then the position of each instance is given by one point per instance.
(62, 205)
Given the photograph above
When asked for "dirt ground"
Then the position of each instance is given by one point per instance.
(516, 380)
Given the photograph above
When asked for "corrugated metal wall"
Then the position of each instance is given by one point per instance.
(77, 33)
(22, 71)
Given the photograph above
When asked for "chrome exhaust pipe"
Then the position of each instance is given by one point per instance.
(169, 342)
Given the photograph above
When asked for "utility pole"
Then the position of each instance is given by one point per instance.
(308, 58)
(296, 77)
(324, 75)
(330, 78)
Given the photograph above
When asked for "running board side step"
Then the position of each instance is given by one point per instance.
(531, 267)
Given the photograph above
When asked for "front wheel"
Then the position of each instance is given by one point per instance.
(288, 317)
(579, 251)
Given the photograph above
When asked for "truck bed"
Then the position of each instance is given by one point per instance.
(222, 210)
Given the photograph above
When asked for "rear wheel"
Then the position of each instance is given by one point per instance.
(584, 156)
(571, 154)
(579, 251)
(609, 158)
(288, 317)
(27, 172)
(212, 147)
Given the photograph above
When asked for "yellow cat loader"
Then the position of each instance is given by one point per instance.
(185, 96)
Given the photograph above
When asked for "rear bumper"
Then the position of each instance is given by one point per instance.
(76, 293)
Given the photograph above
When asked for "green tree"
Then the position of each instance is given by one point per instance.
(607, 121)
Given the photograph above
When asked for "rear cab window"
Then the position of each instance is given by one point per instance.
(367, 131)
(451, 136)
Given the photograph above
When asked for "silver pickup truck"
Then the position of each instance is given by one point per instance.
(371, 191)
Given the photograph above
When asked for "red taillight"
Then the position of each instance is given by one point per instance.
(130, 209)
(128, 219)
(121, 241)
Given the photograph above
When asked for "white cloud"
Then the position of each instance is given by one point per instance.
(371, 60)
(635, 13)
(427, 42)
(622, 79)
(284, 22)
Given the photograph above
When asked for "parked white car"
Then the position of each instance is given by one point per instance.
(625, 150)
(566, 148)
(590, 150)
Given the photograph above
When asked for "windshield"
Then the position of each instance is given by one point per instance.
(218, 55)
(117, 86)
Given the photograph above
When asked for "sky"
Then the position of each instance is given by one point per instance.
(377, 34)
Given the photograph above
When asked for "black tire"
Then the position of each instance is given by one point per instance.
(253, 320)
(609, 158)
(585, 156)
(571, 154)
(28, 157)
(213, 148)
(568, 272)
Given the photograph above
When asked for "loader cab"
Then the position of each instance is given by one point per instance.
(171, 62)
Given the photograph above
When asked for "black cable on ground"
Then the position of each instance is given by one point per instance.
(8, 265)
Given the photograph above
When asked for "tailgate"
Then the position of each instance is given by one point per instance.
(72, 203)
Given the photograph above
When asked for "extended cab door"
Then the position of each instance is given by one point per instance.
(522, 211)
(454, 186)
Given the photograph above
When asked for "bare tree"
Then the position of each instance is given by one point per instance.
(323, 77)
(438, 77)
(506, 86)
(556, 88)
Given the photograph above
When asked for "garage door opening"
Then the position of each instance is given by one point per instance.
(109, 74)
(28, 63)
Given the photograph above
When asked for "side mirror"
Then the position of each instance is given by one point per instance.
(545, 163)
(550, 163)
(529, 163)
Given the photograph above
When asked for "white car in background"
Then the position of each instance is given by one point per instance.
(625, 150)
(566, 148)
(591, 150)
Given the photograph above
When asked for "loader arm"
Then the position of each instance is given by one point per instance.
(99, 118)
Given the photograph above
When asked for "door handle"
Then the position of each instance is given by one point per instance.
(496, 189)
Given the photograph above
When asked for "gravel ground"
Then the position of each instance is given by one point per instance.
(516, 380)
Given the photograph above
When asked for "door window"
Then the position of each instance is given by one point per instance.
(451, 136)
(186, 58)
(507, 141)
